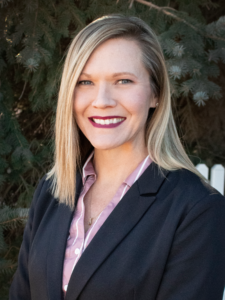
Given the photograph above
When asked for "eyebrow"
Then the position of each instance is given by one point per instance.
(114, 74)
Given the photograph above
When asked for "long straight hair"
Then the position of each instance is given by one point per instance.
(163, 144)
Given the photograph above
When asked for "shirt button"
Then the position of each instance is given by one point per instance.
(65, 287)
(77, 251)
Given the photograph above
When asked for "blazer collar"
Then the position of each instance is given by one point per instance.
(152, 179)
(123, 218)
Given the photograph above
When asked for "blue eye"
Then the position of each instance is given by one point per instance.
(125, 81)
(84, 82)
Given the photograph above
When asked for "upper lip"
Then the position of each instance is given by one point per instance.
(105, 118)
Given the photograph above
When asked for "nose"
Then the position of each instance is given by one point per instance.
(103, 97)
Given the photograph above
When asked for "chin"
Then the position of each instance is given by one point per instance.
(105, 146)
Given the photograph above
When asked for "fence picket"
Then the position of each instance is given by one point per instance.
(203, 169)
(217, 178)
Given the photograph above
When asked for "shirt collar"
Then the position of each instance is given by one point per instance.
(138, 171)
(88, 170)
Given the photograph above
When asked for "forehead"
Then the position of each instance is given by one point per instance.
(114, 55)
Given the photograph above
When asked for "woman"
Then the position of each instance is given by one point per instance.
(123, 214)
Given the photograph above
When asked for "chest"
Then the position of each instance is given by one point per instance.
(129, 250)
(125, 258)
(97, 199)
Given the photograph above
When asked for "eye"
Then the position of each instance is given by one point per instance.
(125, 81)
(84, 82)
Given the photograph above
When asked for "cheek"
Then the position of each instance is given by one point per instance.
(138, 104)
(78, 110)
(82, 101)
(79, 105)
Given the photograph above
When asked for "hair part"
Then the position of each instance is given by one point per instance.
(71, 146)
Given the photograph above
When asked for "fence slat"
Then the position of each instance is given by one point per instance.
(217, 178)
(203, 169)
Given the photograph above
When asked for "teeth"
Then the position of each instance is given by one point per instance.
(108, 121)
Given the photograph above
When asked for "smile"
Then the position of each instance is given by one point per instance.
(106, 122)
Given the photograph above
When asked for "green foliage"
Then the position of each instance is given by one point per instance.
(34, 38)
(12, 221)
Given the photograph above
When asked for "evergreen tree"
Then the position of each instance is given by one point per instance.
(35, 35)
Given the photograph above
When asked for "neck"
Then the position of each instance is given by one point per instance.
(118, 163)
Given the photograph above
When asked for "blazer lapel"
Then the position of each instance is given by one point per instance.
(119, 223)
(57, 245)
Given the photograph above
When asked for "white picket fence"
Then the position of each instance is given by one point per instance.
(216, 179)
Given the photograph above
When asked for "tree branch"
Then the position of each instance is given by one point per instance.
(25, 84)
(43, 121)
(172, 15)
(13, 220)
(10, 250)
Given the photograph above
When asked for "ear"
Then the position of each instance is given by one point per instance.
(153, 102)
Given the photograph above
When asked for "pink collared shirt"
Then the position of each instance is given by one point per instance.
(78, 240)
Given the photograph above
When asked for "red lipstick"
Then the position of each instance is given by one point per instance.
(106, 122)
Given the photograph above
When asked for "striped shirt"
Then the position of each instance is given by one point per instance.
(78, 240)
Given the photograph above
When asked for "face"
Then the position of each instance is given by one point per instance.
(113, 96)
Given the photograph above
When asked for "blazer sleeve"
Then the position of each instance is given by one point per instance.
(195, 268)
(20, 288)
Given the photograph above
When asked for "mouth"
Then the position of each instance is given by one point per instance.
(106, 122)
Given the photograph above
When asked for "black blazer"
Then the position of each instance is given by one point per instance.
(165, 240)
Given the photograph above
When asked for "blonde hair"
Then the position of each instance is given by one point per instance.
(163, 143)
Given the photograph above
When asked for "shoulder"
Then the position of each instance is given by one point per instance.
(43, 200)
(43, 190)
(189, 190)
(184, 178)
